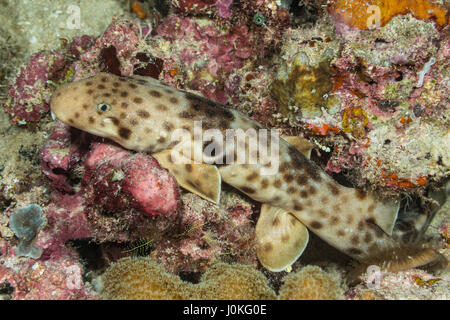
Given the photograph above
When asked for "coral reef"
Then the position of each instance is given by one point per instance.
(130, 196)
(58, 273)
(121, 191)
(56, 279)
(311, 283)
(371, 95)
(203, 56)
(365, 97)
(30, 94)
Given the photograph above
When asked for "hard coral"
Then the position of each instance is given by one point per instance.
(361, 14)
(142, 279)
(311, 283)
(306, 90)
(234, 282)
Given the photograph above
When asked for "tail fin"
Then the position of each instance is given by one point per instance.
(401, 257)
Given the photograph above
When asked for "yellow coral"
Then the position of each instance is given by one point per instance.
(361, 13)
(355, 121)
(306, 88)
(142, 279)
(234, 281)
(311, 283)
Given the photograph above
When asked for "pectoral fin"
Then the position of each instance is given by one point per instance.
(202, 179)
(385, 213)
(301, 144)
(281, 238)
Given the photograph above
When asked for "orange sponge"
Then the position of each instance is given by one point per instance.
(361, 14)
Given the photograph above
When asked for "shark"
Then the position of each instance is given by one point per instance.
(298, 197)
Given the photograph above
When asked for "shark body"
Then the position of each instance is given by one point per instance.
(141, 113)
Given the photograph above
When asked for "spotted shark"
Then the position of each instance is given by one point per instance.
(141, 113)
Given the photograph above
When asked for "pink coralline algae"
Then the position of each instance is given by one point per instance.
(123, 38)
(206, 50)
(220, 7)
(131, 196)
(125, 195)
(30, 93)
(152, 188)
(58, 156)
(56, 279)
(80, 45)
(57, 273)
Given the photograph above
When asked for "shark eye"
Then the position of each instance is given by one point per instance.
(103, 107)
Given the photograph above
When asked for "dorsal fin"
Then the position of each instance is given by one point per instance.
(147, 80)
(281, 238)
(202, 179)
